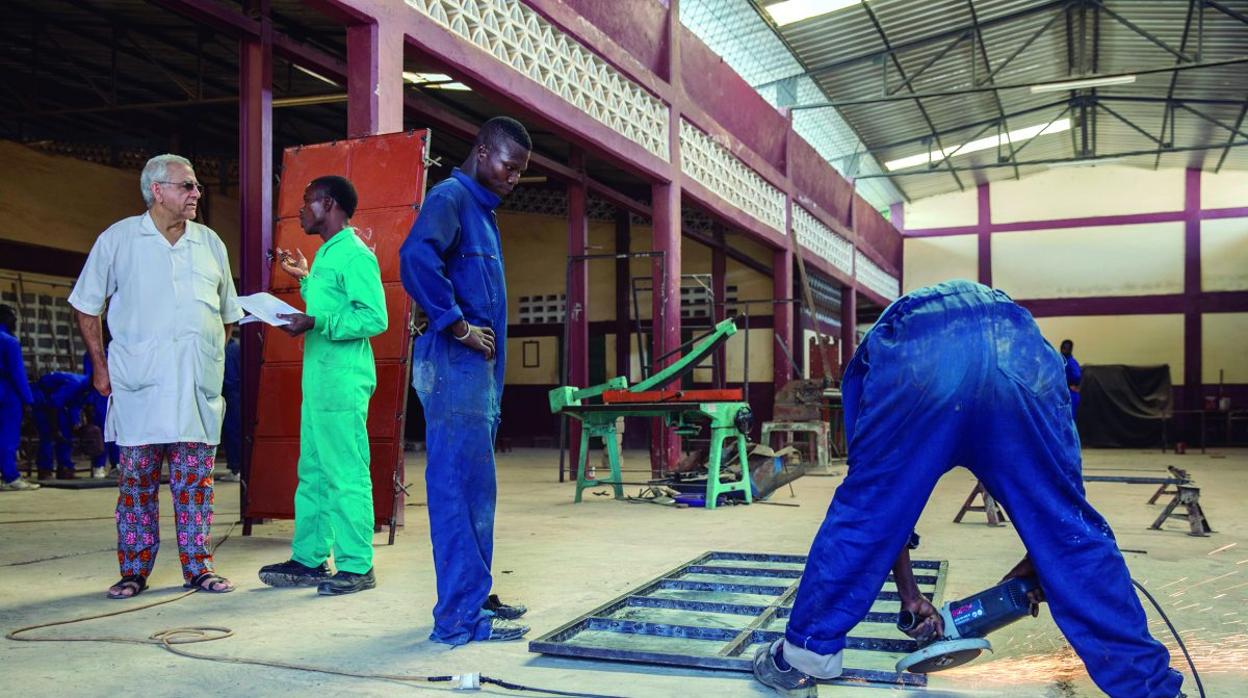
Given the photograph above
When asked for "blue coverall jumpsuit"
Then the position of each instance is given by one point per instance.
(99, 412)
(14, 394)
(958, 374)
(59, 397)
(452, 265)
(1074, 377)
(232, 391)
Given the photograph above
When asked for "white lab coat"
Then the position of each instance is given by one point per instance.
(167, 308)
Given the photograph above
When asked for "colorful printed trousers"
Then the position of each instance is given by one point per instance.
(138, 511)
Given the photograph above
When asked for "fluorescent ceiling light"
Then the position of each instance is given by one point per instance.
(791, 11)
(1080, 84)
(318, 76)
(439, 81)
(1015, 136)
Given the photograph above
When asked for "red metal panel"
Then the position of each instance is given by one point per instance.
(388, 172)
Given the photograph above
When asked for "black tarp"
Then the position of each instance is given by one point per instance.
(1122, 405)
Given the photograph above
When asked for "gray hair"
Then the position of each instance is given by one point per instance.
(156, 170)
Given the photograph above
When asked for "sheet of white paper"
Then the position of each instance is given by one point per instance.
(264, 307)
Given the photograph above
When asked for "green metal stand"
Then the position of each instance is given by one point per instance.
(591, 428)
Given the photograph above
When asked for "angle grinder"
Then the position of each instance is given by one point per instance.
(966, 623)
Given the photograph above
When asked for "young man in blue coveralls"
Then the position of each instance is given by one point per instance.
(452, 264)
(14, 395)
(59, 397)
(957, 373)
(1074, 375)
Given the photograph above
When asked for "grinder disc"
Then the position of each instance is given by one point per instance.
(943, 654)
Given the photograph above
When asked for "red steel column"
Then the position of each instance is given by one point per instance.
(665, 219)
(782, 314)
(577, 296)
(255, 173)
(374, 80)
(849, 324)
(719, 293)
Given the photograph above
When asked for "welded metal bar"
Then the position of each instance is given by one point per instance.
(1130, 480)
(1053, 161)
(1227, 151)
(1168, 112)
(901, 71)
(1234, 130)
(1023, 47)
(930, 62)
(1128, 122)
(1141, 31)
(996, 96)
(1227, 11)
(1032, 139)
(1237, 60)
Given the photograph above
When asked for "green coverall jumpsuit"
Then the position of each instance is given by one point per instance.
(334, 500)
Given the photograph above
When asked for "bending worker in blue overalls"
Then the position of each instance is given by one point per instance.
(111, 455)
(958, 374)
(59, 397)
(1074, 376)
(452, 264)
(14, 395)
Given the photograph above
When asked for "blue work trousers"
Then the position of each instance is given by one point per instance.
(459, 391)
(99, 413)
(56, 435)
(957, 374)
(10, 436)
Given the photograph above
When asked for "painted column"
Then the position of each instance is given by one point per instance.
(577, 315)
(623, 275)
(985, 235)
(719, 293)
(255, 173)
(1193, 370)
(782, 314)
(374, 80)
(849, 323)
(665, 310)
(665, 221)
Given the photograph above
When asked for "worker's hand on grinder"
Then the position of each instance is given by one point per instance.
(1024, 568)
(476, 338)
(931, 626)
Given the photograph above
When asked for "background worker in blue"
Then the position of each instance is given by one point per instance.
(14, 395)
(232, 427)
(959, 374)
(452, 264)
(98, 404)
(59, 397)
(1074, 375)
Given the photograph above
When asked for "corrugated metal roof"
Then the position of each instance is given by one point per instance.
(1027, 42)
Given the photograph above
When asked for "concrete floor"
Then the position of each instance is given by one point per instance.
(563, 560)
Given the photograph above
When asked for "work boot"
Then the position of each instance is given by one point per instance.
(503, 630)
(66, 474)
(789, 682)
(293, 574)
(18, 485)
(346, 583)
(504, 611)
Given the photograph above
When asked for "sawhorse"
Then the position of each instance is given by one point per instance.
(990, 507)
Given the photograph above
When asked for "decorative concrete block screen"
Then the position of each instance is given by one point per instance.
(716, 168)
(875, 278)
(523, 40)
(820, 239)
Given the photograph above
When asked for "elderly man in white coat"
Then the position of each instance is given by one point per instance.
(171, 303)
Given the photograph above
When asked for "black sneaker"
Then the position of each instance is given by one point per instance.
(503, 610)
(503, 630)
(293, 574)
(789, 682)
(346, 583)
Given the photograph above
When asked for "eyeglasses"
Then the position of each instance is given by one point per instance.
(186, 186)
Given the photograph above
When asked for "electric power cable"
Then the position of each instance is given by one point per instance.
(1195, 674)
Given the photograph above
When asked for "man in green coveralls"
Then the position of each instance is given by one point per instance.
(346, 305)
